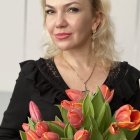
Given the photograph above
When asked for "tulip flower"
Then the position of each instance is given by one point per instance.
(50, 136)
(34, 112)
(31, 135)
(113, 128)
(75, 95)
(25, 127)
(82, 135)
(107, 94)
(75, 117)
(70, 104)
(126, 117)
(41, 127)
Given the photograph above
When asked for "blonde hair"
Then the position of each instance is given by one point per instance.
(103, 48)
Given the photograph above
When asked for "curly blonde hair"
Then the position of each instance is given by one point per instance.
(103, 48)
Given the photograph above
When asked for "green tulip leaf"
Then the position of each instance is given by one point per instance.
(31, 124)
(22, 135)
(97, 102)
(119, 136)
(69, 131)
(88, 109)
(56, 128)
(87, 123)
(57, 119)
(104, 118)
(130, 134)
(63, 113)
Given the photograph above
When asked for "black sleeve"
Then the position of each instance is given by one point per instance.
(17, 110)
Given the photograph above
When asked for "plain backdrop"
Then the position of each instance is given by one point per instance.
(21, 29)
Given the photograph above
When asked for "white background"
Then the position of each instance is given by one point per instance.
(21, 28)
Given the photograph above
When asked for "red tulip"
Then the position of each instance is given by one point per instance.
(31, 135)
(82, 135)
(50, 136)
(75, 117)
(108, 95)
(25, 126)
(126, 117)
(34, 112)
(70, 104)
(59, 123)
(41, 127)
(75, 95)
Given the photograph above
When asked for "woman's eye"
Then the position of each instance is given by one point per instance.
(73, 10)
(49, 12)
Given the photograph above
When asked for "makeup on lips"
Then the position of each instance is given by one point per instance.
(61, 36)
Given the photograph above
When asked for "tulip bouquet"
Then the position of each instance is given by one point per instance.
(86, 117)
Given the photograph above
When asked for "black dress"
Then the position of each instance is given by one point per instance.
(41, 82)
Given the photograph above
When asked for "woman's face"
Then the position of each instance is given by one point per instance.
(69, 22)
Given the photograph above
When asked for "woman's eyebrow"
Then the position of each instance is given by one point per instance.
(66, 5)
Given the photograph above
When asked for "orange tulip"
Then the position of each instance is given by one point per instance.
(113, 128)
(107, 94)
(70, 104)
(34, 112)
(31, 135)
(126, 117)
(50, 136)
(82, 135)
(75, 117)
(75, 95)
(41, 127)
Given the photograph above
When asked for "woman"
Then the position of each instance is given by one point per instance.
(82, 56)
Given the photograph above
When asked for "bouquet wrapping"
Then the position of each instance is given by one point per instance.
(86, 117)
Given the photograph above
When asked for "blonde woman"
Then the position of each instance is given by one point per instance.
(80, 55)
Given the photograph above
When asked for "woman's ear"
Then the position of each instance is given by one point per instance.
(96, 21)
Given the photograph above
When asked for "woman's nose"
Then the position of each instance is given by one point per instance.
(61, 21)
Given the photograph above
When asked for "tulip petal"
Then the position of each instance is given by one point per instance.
(75, 95)
(34, 112)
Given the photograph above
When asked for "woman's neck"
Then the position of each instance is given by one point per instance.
(79, 58)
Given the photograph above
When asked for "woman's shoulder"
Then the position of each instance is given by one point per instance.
(124, 78)
(127, 71)
(124, 74)
(40, 69)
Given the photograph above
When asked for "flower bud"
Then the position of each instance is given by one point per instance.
(113, 128)
(51, 136)
(70, 104)
(31, 135)
(34, 112)
(75, 95)
(107, 94)
(82, 135)
(41, 127)
(25, 127)
(75, 117)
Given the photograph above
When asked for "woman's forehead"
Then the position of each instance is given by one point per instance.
(66, 2)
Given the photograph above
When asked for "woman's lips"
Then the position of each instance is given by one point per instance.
(61, 36)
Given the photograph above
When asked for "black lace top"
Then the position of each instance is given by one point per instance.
(41, 82)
